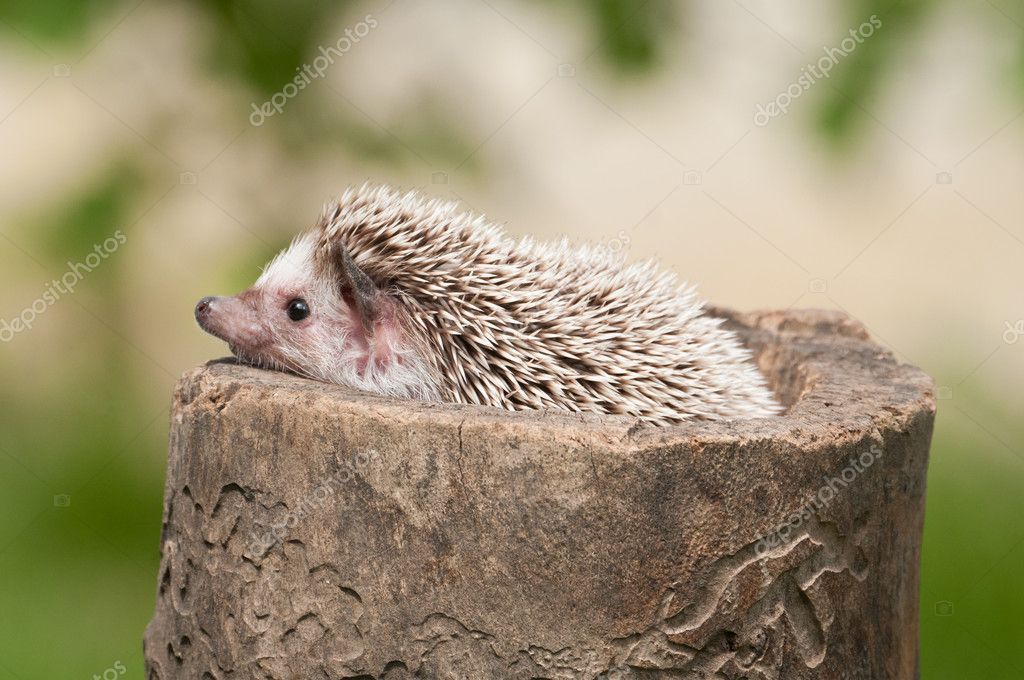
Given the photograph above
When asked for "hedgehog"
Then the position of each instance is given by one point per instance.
(410, 297)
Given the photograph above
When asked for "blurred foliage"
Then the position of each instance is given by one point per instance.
(263, 41)
(973, 550)
(856, 82)
(87, 218)
(84, 581)
(81, 573)
(630, 35)
(60, 21)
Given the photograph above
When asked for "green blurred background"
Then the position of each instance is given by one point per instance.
(890, 189)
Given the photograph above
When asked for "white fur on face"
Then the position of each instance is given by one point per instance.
(330, 345)
(292, 267)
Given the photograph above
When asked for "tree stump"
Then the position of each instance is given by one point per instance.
(312, 532)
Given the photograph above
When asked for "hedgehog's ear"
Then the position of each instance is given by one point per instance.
(365, 294)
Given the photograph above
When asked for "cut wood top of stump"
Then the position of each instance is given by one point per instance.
(836, 385)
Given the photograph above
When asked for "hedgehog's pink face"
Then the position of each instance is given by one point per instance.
(287, 328)
(285, 321)
(290, 320)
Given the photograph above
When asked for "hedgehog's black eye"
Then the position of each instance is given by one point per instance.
(298, 309)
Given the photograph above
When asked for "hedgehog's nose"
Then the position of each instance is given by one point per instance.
(203, 307)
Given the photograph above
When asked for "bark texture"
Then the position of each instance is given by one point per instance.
(312, 532)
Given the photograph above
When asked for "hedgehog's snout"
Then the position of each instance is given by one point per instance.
(203, 308)
(235, 320)
(207, 312)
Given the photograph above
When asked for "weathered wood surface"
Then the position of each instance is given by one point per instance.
(313, 532)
